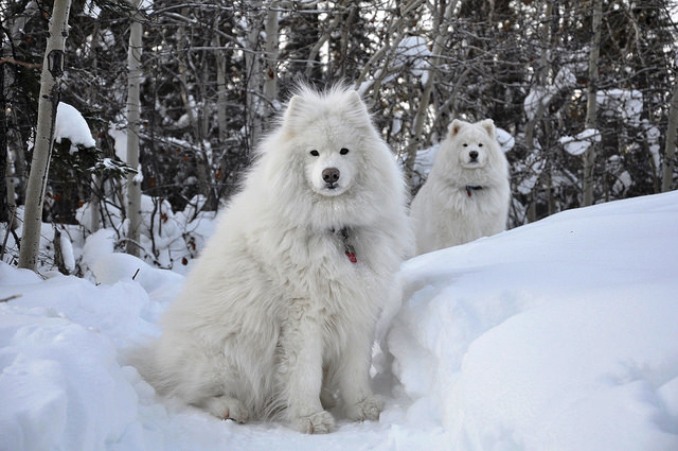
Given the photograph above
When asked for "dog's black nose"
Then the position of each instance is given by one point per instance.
(473, 155)
(331, 175)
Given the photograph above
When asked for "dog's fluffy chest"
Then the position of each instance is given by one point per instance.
(340, 262)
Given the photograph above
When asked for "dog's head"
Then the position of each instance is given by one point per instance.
(474, 144)
(329, 134)
(326, 165)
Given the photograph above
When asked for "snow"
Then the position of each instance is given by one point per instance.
(505, 139)
(413, 51)
(91, 10)
(581, 142)
(624, 102)
(67, 251)
(653, 136)
(70, 124)
(139, 176)
(119, 135)
(542, 95)
(147, 6)
(558, 335)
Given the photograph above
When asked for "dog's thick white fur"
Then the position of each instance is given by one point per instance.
(467, 193)
(276, 321)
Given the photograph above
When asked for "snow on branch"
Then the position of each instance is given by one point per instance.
(71, 125)
(580, 143)
(628, 103)
(413, 51)
(542, 95)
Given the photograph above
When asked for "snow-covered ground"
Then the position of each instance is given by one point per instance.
(559, 335)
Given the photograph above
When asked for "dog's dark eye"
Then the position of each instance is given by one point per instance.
(480, 144)
(343, 151)
(315, 153)
(465, 145)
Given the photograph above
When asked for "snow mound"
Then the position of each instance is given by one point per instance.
(558, 335)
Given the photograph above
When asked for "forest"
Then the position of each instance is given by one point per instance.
(584, 92)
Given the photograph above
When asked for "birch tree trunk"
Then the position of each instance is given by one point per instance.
(52, 69)
(670, 144)
(4, 160)
(542, 80)
(253, 74)
(222, 94)
(271, 56)
(134, 76)
(9, 187)
(591, 106)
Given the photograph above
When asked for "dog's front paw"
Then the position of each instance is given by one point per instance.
(367, 409)
(318, 423)
(227, 409)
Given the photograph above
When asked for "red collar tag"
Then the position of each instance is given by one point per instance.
(471, 188)
(350, 253)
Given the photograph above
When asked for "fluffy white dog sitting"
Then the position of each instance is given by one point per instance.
(467, 193)
(279, 311)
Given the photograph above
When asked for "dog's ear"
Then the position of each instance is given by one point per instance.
(488, 125)
(294, 109)
(299, 108)
(455, 127)
(355, 104)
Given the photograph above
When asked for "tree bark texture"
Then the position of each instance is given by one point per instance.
(670, 144)
(591, 105)
(52, 69)
(134, 79)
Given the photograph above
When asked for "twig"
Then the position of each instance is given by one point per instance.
(14, 296)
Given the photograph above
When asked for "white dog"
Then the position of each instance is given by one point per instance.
(467, 193)
(280, 310)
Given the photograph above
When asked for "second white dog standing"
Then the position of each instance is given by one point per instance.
(467, 193)
(278, 315)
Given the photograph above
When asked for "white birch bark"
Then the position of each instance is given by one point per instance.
(253, 71)
(670, 144)
(271, 56)
(591, 106)
(134, 78)
(222, 94)
(52, 68)
(530, 127)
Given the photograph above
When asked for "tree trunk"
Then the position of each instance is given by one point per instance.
(222, 93)
(253, 74)
(271, 56)
(670, 144)
(52, 69)
(4, 154)
(11, 204)
(591, 106)
(95, 202)
(531, 143)
(133, 118)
